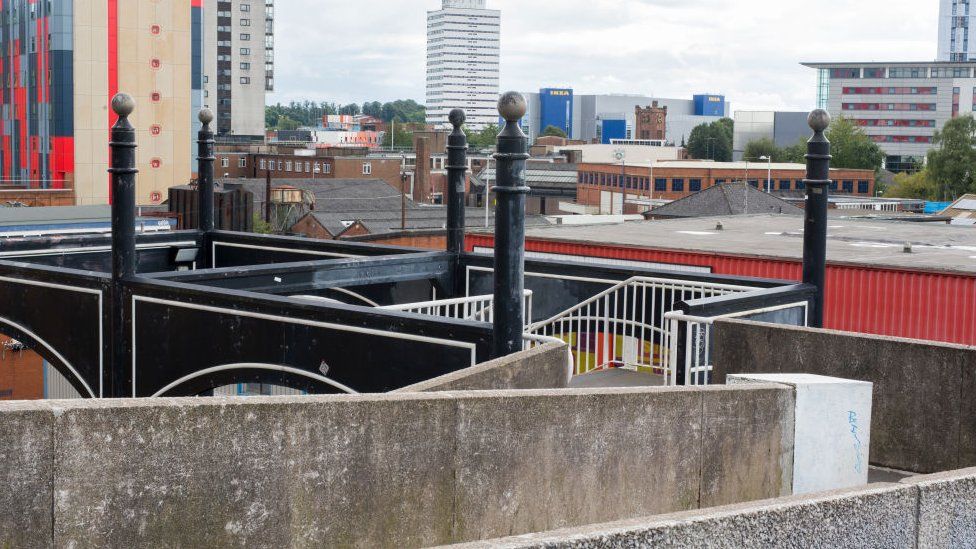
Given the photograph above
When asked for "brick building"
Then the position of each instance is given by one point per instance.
(672, 180)
(253, 165)
(651, 122)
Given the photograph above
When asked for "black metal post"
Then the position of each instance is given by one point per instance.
(817, 185)
(123, 170)
(267, 197)
(457, 167)
(205, 184)
(510, 191)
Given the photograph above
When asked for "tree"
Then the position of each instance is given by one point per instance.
(285, 123)
(351, 109)
(852, 148)
(404, 137)
(914, 185)
(484, 139)
(553, 131)
(758, 148)
(795, 153)
(712, 141)
(951, 166)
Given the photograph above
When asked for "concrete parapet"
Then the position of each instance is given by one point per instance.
(946, 508)
(542, 367)
(922, 420)
(404, 470)
(880, 516)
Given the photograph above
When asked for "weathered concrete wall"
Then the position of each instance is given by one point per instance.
(542, 367)
(923, 512)
(404, 470)
(923, 410)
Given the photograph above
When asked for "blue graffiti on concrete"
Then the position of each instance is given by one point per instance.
(858, 445)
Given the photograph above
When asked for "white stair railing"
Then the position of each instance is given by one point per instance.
(479, 308)
(624, 326)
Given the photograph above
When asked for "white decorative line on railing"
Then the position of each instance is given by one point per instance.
(624, 326)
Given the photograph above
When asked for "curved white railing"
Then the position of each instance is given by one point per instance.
(624, 325)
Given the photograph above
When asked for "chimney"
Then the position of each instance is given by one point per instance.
(421, 180)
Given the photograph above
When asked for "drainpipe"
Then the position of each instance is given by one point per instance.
(123, 173)
(457, 167)
(510, 191)
(817, 185)
(205, 183)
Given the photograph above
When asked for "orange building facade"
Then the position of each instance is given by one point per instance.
(671, 180)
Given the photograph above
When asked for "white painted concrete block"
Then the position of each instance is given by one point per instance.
(832, 432)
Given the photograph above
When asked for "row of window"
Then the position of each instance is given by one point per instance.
(892, 123)
(296, 166)
(661, 184)
(901, 138)
(888, 106)
(901, 72)
(891, 90)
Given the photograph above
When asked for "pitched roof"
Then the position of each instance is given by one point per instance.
(962, 211)
(726, 199)
(538, 175)
(373, 202)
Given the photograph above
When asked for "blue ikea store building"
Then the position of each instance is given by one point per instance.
(556, 109)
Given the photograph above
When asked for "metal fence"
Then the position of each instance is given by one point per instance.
(624, 326)
(478, 308)
(688, 341)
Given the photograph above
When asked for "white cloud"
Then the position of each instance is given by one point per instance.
(750, 50)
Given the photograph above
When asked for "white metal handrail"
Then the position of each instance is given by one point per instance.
(627, 317)
(480, 308)
(698, 343)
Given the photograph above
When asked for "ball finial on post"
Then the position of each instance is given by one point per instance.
(457, 118)
(512, 106)
(818, 120)
(206, 116)
(123, 104)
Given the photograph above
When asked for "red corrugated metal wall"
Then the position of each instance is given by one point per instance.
(912, 304)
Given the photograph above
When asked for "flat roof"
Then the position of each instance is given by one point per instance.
(936, 246)
(757, 166)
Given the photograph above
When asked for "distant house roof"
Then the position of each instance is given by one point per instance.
(725, 199)
(538, 176)
(962, 211)
(375, 204)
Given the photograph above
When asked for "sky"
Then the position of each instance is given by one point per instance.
(348, 51)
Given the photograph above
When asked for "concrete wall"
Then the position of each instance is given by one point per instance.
(386, 470)
(543, 367)
(923, 410)
(924, 511)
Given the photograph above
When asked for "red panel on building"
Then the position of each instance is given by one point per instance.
(937, 306)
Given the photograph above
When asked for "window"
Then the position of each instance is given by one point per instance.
(308, 167)
(245, 37)
(784, 184)
(754, 183)
(800, 185)
(225, 162)
(326, 168)
(318, 168)
(863, 187)
(694, 185)
(908, 72)
(848, 186)
(245, 51)
(719, 181)
(242, 162)
(288, 166)
(262, 164)
(245, 66)
(660, 184)
(874, 73)
(245, 22)
(245, 80)
(279, 166)
(367, 168)
(678, 185)
(245, 7)
(845, 73)
(833, 185)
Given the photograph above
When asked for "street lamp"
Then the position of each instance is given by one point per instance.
(769, 172)
(621, 155)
